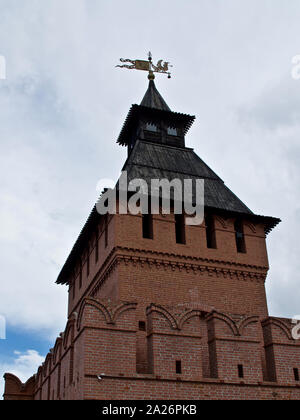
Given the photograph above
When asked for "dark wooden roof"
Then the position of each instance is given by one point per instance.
(137, 111)
(153, 106)
(157, 161)
(153, 98)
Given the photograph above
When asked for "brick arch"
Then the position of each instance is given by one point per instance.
(17, 384)
(188, 315)
(56, 349)
(44, 370)
(48, 363)
(281, 325)
(229, 321)
(69, 330)
(122, 308)
(96, 304)
(245, 322)
(14, 379)
(39, 375)
(170, 318)
(30, 382)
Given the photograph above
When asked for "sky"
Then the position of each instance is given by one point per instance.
(62, 106)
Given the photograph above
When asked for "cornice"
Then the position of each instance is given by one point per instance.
(198, 266)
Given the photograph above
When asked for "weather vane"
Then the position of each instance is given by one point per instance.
(161, 66)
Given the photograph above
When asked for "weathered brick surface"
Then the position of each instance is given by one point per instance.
(150, 388)
(205, 308)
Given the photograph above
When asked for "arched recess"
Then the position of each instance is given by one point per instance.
(169, 317)
(229, 321)
(122, 308)
(188, 315)
(57, 350)
(96, 304)
(281, 325)
(246, 322)
(69, 334)
(48, 364)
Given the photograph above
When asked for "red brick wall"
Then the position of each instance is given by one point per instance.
(203, 307)
(282, 352)
(102, 341)
(15, 390)
(142, 388)
(231, 347)
(162, 271)
(167, 344)
(220, 277)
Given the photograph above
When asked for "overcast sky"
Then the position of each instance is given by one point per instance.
(63, 104)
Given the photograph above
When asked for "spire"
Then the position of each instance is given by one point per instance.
(153, 98)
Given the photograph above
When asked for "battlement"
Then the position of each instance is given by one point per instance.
(185, 345)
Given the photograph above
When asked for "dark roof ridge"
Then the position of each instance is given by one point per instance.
(153, 99)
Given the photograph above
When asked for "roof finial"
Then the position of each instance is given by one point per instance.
(161, 66)
(151, 75)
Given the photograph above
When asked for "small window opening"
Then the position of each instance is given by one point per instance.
(241, 371)
(172, 131)
(210, 232)
(151, 127)
(142, 325)
(180, 228)
(147, 221)
(239, 236)
(296, 374)
(178, 366)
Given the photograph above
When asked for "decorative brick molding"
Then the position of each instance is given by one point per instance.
(163, 264)
(15, 389)
(164, 255)
(195, 334)
(111, 312)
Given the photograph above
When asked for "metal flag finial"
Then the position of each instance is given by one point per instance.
(161, 66)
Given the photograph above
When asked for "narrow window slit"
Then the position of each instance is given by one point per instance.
(210, 232)
(142, 325)
(239, 236)
(180, 228)
(178, 367)
(147, 222)
(241, 371)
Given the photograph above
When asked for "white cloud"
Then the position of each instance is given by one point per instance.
(23, 366)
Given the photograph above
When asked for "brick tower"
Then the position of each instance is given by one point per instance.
(159, 309)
